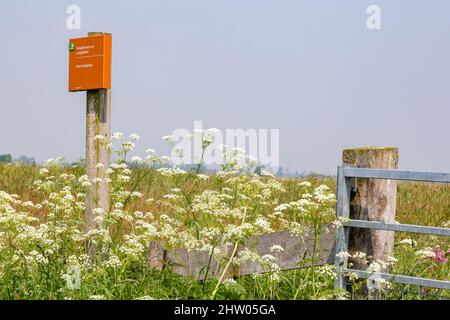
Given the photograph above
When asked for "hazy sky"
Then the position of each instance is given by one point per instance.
(309, 68)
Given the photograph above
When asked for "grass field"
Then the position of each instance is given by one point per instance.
(43, 237)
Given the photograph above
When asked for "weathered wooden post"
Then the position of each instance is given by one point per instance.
(90, 71)
(373, 200)
(98, 115)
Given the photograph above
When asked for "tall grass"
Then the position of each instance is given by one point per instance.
(417, 203)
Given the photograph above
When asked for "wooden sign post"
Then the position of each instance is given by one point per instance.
(90, 71)
(98, 123)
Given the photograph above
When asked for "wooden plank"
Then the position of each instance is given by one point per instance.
(297, 254)
(156, 255)
(195, 263)
(298, 251)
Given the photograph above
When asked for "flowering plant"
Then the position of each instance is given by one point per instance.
(43, 239)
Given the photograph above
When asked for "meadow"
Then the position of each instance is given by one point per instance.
(43, 235)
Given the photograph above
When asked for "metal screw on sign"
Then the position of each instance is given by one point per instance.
(90, 71)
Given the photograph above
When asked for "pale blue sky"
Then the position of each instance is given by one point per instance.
(309, 68)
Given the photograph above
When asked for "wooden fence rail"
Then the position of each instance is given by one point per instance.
(298, 253)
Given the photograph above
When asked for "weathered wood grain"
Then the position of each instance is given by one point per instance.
(373, 200)
(298, 253)
(195, 263)
(156, 255)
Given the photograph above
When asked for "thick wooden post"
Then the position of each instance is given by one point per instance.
(98, 123)
(373, 200)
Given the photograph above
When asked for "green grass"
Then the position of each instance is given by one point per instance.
(417, 203)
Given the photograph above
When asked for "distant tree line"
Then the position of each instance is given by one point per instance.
(7, 158)
(281, 172)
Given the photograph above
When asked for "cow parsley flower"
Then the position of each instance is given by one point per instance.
(276, 248)
(170, 139)
(410, 242)
(426, 253)
(374, 267)
(134, 137)
(392, 260)
(113, 262)
(359, 255)
(117, 136)
(136, 159)
(343, 255)
(229, 282)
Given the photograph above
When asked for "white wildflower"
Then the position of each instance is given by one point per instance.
(374, 267)
(343, 255)
(426, 253)
(117, 136)
(168, 139)
(134, 137)
(136, 159)
(359, 255)
(276, 248)
(392, 260)
(410, 242)
(229, 282)
(305, 184)
(113, 262)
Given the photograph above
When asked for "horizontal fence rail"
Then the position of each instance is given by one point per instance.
(397, 175)
(439, 284)
(345, 175)
(398, 227)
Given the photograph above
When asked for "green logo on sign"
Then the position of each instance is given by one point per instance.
(71, 46)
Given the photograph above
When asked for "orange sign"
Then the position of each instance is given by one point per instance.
(90, 62)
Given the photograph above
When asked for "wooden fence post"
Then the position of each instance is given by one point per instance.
(373, 200)
(98, 123)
